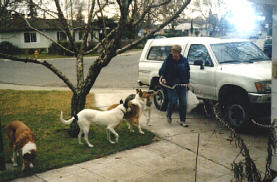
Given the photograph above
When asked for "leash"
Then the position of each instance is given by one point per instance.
(174, 86)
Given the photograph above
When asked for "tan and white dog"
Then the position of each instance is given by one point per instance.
(138, 103)
(21, 138)
(110, 119)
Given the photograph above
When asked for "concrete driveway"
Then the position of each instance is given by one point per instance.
(172, 157)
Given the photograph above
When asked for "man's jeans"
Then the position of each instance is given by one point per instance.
(174, 94)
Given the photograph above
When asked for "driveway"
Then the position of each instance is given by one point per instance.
(172, 157)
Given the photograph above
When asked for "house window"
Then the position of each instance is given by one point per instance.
(30, 37)
(80, 35)
(61, 36)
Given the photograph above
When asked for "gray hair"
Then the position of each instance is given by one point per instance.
(176, 48)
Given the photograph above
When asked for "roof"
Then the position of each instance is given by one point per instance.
(187, 26)
(18, 24)
(194, 40)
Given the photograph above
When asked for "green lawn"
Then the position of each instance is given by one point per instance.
(40, 110)
(49, 56)
(53, 56)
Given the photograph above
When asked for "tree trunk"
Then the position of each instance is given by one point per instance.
(78, 103)
(2, 157)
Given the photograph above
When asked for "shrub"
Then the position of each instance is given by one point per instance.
(55, 49)
(8, 48)
(91, 45)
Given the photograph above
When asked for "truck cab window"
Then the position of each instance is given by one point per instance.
(159, 53)
(199, 52)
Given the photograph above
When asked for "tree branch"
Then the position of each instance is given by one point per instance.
(150, 34)
(88, 27)
(65, 26)
(147, 10)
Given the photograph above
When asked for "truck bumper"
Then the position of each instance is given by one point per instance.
(255, 98)
(260, 105)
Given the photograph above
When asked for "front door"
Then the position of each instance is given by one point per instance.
(202, 77)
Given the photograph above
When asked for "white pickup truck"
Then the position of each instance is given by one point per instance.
(233, 72)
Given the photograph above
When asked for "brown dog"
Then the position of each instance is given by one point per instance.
(139, 103)
(21, 138)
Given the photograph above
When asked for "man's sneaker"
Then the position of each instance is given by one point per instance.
(183, 124)
(169, 120)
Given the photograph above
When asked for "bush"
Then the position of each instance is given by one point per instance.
(91, 45)
(55, 49)
(8, 48)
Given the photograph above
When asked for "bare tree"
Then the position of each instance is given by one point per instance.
(168, 10)
(110, 45)
(211, 11)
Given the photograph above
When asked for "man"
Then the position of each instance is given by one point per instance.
(176, 70)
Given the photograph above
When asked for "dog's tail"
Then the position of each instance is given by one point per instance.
(67, 121)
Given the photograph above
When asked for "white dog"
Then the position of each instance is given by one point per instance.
(110, 119)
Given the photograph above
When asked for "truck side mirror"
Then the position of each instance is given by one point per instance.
(200, 63)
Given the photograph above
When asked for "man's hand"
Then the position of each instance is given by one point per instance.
(163, 81)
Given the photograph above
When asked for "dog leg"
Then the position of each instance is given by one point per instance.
(80, 136)
(109, 136)
(13, 159)
(136, 121)
(23, 166)
(114, 132)
(130, 127)
(148, 115)
(140, 130)
(86, 138)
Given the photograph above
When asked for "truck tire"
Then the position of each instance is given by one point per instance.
(160, 100)
(237, 112)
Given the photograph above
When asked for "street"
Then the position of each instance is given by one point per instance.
(122, 72)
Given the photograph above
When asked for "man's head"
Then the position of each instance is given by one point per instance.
(176, 52)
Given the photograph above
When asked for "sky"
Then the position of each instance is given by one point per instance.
(243, 15)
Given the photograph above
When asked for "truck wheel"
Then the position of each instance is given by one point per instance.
(160, 100)
(237, 112)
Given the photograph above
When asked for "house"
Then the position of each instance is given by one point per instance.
(197, 28)
(17, 32)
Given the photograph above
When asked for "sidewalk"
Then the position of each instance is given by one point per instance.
(170, 159)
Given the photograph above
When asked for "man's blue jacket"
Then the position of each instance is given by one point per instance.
(175, 72)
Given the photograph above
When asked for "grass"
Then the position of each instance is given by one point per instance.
(49, 56)
(40, 110)
(53, 56)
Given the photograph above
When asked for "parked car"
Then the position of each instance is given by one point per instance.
(234, 72)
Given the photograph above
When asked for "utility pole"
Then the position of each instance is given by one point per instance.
(2, 157)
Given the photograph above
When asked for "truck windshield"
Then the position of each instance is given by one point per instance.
(237, 52)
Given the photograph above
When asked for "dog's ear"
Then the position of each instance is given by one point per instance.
(137, 91)
(121, 101)
(140, 93)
